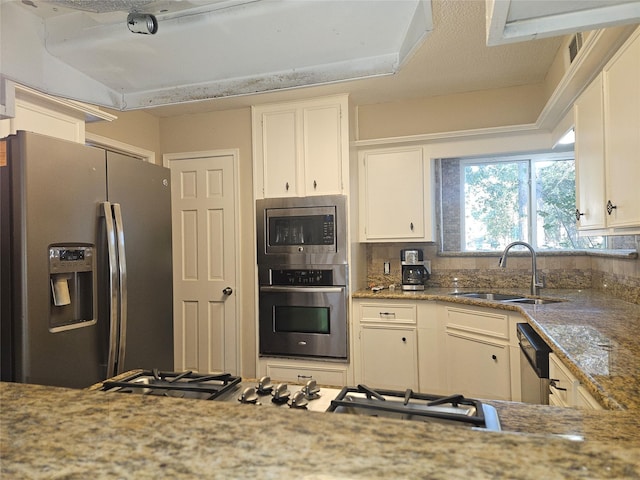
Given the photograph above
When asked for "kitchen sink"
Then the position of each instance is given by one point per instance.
(534, 301)
(500, 297)
(507, 298)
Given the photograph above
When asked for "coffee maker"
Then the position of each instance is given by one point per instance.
(414, 272)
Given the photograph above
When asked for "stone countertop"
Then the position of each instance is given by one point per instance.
(595, 335)
(49, 432)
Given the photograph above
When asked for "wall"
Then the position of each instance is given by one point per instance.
(465, 111)
(218, 131)
(137, 128)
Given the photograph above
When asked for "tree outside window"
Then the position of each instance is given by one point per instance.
(501, 200)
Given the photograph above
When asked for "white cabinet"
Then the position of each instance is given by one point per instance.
(479, 353)
(301, 148)
(395, 195)
(300, 371)
(565, 389)
(37, 112)
(607, 123)
(386, 350)
(621, 82)
(589, 151)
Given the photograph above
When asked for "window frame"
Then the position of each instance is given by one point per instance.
(532, 216)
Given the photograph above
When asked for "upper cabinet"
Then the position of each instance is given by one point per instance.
(621, 82)
(301, 148)
(395, 195)
(607, 120)
(33, 111)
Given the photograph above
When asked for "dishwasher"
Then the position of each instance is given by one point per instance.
(534, 366)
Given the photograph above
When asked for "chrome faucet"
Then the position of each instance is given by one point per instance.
(535, 284)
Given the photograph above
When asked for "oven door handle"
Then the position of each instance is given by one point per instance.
(283, 289)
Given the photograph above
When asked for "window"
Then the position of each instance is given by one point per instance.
(487, 203)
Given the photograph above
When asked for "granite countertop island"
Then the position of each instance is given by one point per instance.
(49, 432)
(596, 336)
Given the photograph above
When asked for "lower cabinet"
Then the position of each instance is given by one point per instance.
(300, 371)
(436, 348)
(385, 346)
(477, 367)
(389, 357)
(565, 389)
(480, 357)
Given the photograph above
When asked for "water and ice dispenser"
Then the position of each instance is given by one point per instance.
(73, 286)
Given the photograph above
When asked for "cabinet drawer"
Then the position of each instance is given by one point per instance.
(479, 322)
(387, 313)
(324, 375)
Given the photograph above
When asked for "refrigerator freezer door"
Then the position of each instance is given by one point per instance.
(57, 187)
(143, 192)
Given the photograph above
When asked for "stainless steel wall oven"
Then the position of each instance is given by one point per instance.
(303, 277)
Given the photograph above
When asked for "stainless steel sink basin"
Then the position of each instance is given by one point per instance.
(499, 297)
(534, 301)
(507, 298)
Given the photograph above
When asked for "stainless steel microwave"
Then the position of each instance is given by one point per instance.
(302, 230)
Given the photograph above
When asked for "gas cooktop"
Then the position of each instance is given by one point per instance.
(359, 400)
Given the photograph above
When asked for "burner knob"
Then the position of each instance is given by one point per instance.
(281, 393)
(249, 395)
(298, 400)
(264, 386)
(311, 390)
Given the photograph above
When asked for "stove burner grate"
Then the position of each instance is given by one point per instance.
(174, 384)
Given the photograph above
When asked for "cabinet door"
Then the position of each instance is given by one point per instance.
(477, 368)
(279, 153)
(394, 194)
(389, 357)
(589, 148)
(322, 140)
(622, 134)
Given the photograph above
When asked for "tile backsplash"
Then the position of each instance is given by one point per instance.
(617, 275)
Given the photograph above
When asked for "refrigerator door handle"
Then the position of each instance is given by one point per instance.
(113, 281)
(122, 290)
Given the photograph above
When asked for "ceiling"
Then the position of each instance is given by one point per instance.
(222, 54)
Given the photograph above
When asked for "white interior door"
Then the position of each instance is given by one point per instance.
(203, 208)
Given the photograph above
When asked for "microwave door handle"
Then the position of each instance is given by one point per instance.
(122, 291)
(113, 280)
(275, 288)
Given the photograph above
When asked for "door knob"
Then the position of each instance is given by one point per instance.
(227, 291)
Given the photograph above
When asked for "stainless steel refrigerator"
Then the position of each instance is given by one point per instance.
(86, 282)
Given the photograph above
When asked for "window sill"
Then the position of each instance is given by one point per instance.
(620, 254)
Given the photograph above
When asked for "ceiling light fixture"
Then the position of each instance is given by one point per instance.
(142, 23)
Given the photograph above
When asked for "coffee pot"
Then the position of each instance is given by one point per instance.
(414, 272)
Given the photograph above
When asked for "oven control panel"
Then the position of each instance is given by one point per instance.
(302, 277)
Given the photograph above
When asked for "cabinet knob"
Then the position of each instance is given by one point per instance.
(578, 214)
(404, 339)
(314, 184)
(610, 207)
(287, 186)
(411, 226)
(493, 357)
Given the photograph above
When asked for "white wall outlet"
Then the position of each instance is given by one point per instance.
(387, 268)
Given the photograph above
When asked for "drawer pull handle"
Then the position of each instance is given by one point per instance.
(553, 384)
(388, 314)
